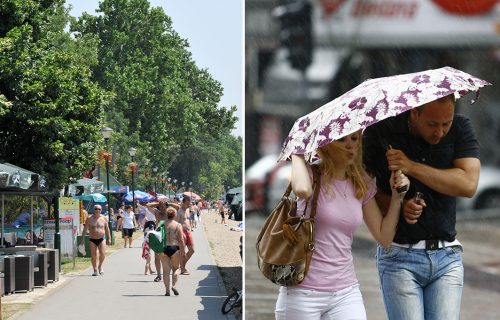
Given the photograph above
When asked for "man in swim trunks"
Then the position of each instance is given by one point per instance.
(97, 225)
(182, 217)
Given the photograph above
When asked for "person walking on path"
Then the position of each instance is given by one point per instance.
(174, 251)
(146, 252)
(222, 212)
(158, 209)
(182, 218)
(346, 199)
(422, 273)
(119, 217)
(97, 225)
(129, 224)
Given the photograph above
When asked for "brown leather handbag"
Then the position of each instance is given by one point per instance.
(285, 244)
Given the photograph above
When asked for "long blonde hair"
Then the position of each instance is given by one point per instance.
(355, 172)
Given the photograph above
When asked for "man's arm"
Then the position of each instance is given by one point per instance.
(107, 232)
(459, 181)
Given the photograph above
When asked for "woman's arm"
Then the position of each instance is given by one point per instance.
(383, 227)
(301, 181)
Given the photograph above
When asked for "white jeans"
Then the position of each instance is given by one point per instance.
(300, 304)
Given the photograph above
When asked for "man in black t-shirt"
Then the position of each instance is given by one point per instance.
(421, 274)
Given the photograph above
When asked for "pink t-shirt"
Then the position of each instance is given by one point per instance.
(337, 218)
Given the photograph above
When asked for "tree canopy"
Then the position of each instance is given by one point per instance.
(125, 68)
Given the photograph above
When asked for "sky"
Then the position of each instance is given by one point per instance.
(214, 30)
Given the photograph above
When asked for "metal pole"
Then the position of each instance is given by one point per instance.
(57, 233)
(3, 216)
(31, 220)
(110, 223)
(133, 186)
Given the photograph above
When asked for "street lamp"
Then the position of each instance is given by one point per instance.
(191, 190)
(175, 186)
(155, 170)
(132, 152)
(106, 133)
(169, 186)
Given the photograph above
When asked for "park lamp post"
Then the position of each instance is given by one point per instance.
(106, 133)
(169, 187)
(132, 151)
(175, 187)
(155, 170)
(191, 190)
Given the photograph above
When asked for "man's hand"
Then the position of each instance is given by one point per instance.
(108, 241)
(397, 160)
(413, 209)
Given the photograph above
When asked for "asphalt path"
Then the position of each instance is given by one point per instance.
(124, 292)
(481, 294)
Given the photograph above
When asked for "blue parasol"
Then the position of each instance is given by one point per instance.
(96, 197)
(139, 196)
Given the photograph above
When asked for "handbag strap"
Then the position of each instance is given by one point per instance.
(316, 187)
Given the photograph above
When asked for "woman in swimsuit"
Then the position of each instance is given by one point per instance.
(170, 258)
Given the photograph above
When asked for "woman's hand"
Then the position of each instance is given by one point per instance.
(399, 181)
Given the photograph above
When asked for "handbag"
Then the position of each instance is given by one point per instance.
(285, 244)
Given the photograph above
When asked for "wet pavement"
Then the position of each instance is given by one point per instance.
(481, 295)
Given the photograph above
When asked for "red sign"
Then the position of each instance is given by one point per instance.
(467, 7)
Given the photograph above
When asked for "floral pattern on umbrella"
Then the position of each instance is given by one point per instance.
(372, 101)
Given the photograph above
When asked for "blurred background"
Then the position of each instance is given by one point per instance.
(301, 54)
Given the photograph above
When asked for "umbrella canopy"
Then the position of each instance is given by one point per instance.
(372, 101)
(96, 197)
(139, 196)
(234, 190)
(193, 195)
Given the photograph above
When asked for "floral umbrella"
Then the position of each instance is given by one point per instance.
(372, 101)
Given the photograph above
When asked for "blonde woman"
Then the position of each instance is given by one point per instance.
(346, 198)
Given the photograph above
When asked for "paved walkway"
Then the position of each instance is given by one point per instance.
(124, 292)
(481, 262)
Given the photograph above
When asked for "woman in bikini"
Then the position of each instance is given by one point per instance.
(174, 249)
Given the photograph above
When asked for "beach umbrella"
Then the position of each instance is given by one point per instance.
(95, 197)
(140, 196)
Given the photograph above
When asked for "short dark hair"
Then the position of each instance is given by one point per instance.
(128, 206)
(186, 199)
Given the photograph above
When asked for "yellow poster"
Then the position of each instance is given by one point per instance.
(69, 204)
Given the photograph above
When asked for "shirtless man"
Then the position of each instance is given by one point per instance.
(97, 226)
(182, 217)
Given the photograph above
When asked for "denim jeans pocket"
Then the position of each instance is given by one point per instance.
(389, 253)
(454, 250)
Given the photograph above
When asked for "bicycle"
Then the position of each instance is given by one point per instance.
(233, 300)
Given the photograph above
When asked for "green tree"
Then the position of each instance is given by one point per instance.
(50, 109)
(162, 102)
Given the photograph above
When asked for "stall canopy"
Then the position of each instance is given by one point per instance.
(85, 187)
(14, 178)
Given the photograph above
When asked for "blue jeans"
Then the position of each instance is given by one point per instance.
(421, 284)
